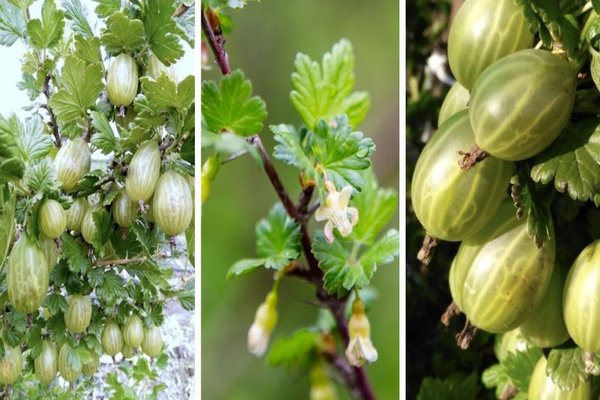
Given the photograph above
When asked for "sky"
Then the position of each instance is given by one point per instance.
(13, 100)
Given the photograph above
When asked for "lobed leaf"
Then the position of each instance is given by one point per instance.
(12, 24)
(123, 34)
(161, 30)
(291, 147)
(566, 368)
(277, 238)
(324, 91)
(164, 94)
(298, 350)
(229, 106)
(76, 12)
(47, 32)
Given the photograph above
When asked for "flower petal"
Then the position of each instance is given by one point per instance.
(353, 215)
(344, 197)
(323, 213)
(328, 231)
(258, 339)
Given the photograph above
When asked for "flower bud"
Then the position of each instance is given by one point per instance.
(322, 388)
(264, 322)
(360, 349)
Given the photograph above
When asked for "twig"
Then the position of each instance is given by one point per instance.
(180, 10)
(452, 311)
(344, 370)
(53, 124)
(212, 31)
(360, 383)
(103, 263)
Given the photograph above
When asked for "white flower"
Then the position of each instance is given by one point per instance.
(360, 349)
(336, 212)
(264, 322)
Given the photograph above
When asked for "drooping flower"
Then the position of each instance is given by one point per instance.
(264, 322)
(336, 212)
(360, 349)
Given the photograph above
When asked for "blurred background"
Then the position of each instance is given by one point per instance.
(263, 43)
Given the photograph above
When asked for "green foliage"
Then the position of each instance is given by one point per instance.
(12, 24)
(324, 91)
(123, 34)
(571, 161)
(297, 351)
(277, 243)
(456, 387)
(229, 107)
(45, 33)
(566, 368)
(532, 204)
(161, 30)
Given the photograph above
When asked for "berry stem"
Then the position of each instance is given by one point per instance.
(471, 157)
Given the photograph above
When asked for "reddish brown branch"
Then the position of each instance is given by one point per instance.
(212, 30)
(53, 124)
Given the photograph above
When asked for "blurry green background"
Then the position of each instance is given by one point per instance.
(263, 43)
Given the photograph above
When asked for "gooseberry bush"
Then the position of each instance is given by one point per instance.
(96, 186)
(513, 174)
(334, 236)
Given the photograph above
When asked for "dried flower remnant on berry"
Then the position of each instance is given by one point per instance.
(360, 349)
(264, 322)
(336, 212)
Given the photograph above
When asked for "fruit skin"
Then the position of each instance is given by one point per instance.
(65, 369)
(580, 300)
(541, 386)
(156, 68)
(91, 367)
(152, 344)
(483, 32)
(112, 339)
(27, 276)
(46, 364)
(124, 211)
(127, 351)
(499, 275)
(173, 205)
(453, 204)
(143, 172)
(514, 124)
(79, 313)
(72, 162)
(75, 214)
(50, 250)
(545, 327)
(456, 100)
(11, 365)
(88, 226)
(133, 331)
(52, 219)
(122, 80)
(510, 342)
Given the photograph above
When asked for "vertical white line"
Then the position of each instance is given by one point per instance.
(402, 198)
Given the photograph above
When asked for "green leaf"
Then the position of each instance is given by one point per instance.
(324, 91)
(245, 266)
(376, 206)
(546, 18)
(596, 5)
(76, 12)
(75, 254)
(292, 147)
(161, 30)
(572, 161)
(278, 238)
(341, 152)
(103, 230)
(112, 288)
(455, 387)
(55, 303)
(80, 86)
(106, 7)
(532, 202)
(186, 296)
(88, 49)
(104, 139)
(32, 142)
(164, 94)
(298, 350)
(383, 251)
(46, 33)
(12, 24)
(519, 366)
(566, 368)
(334, 260)
(123, 34)
(229, 107)
(42, 177)
(11, 166)
(496, 377)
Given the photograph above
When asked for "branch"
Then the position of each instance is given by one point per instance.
(180, 10)
(53, 124)
(212, 30)
(344, 369)
(125, 261)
